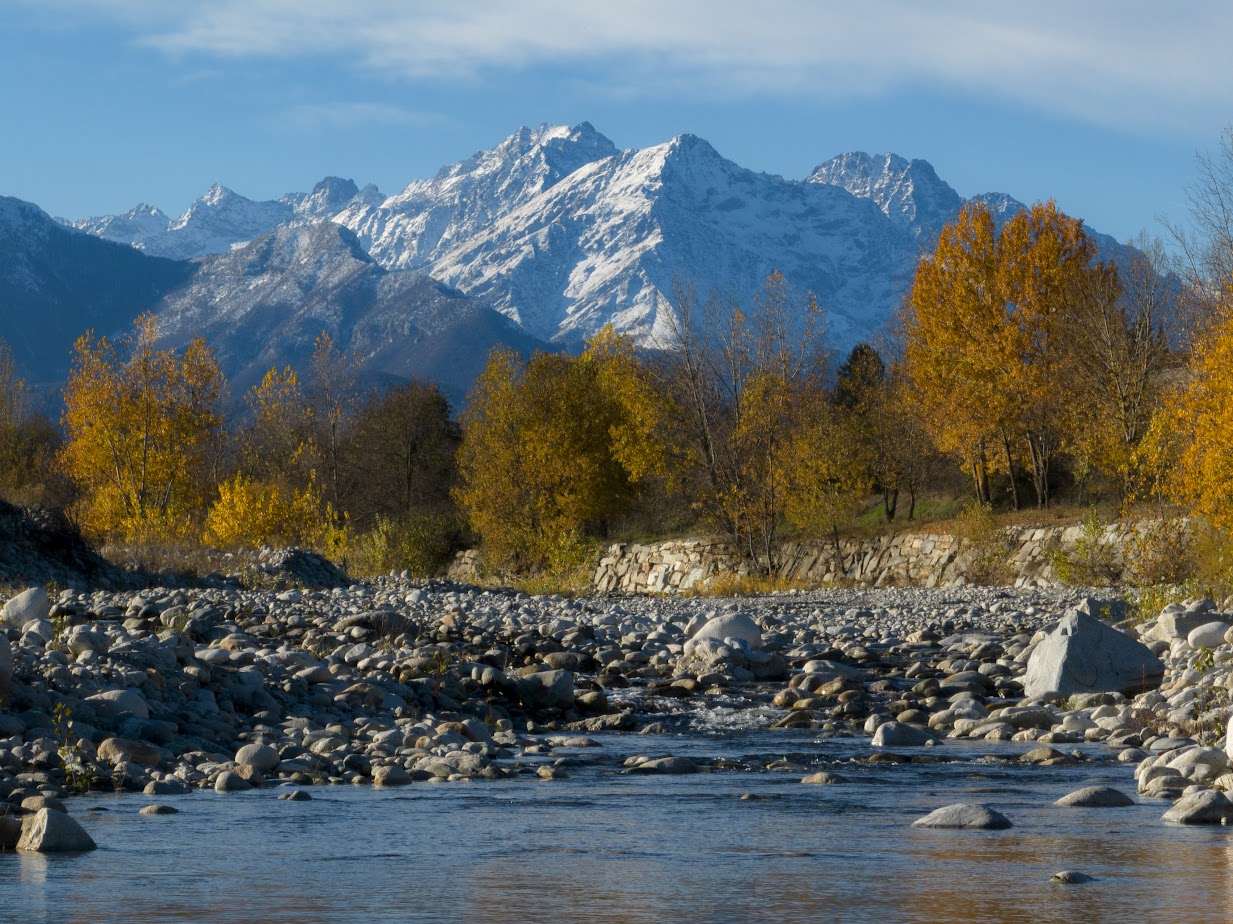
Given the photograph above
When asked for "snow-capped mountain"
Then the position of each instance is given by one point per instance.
(329, 197)
(607, 243)
(222, 218)
(417, 227)
(263, 305)
(136, 226)
(564, 233)
(908, 192)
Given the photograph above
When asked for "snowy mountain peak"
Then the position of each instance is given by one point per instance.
(135, 227)
(328, 198)
(214, 223)
(908, 192)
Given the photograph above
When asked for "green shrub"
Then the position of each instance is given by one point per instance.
(421, 544)
(1093, 560)
(1161, 552)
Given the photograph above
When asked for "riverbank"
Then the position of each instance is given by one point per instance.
(394, 682)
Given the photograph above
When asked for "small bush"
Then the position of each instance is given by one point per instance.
(1093, 560)
(1161, 552)
(730, 584)
(421, 544)
(988, 546)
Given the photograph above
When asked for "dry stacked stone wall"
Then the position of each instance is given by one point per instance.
(906, 559)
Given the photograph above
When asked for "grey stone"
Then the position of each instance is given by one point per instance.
(1083, 655)
(390, 775)
(49, 831)
(83, 639)
(964, 815)
(1208, 635)
(166, 788)
(27, 605)
(1096, 797)
(1179, 624)
(32, 804)
(1069, 877)
(1207, 807)
(896, 734)
(117, 702)
(547, 690)
(117, 750)
(823, 778)
(260, 757)
(835, 670)
(231, 782)
(666, 765)
(158, 810)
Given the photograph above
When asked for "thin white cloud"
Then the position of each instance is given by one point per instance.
(1113, 61)
(343, 116)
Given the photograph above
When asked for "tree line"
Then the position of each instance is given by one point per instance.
(1019, 362)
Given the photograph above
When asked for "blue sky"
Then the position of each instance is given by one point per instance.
(1100, 105)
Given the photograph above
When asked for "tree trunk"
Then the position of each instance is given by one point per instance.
(890, 502)
(1039, 454)
(1010, 468)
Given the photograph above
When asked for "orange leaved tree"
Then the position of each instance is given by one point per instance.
(142, 427)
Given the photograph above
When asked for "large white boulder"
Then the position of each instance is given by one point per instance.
(547, 689)
(727, 626)
(964, 815)
(261, 757)
(1208, 635)
(27, 605)
(50, 831)
(1083, 655)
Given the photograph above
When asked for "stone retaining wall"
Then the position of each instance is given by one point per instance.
(905, 559)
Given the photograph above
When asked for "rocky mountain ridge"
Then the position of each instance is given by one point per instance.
(564, 233)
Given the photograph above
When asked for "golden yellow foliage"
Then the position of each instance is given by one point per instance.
(555, 447)
(1196, 424)
(141, 427)
(985, 337)
(249, 513)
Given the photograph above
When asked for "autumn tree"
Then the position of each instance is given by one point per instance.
(883, 428)
(1205, 242)
(1196, 423)
(142, 427)
(275, 442)
(552, 449)
(984, 339)
(333, 395)
(744, 382)
(1121, 330)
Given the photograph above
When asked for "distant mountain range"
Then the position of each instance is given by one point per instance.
(544, 239)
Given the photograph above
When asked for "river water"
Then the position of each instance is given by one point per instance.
(611, 848)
